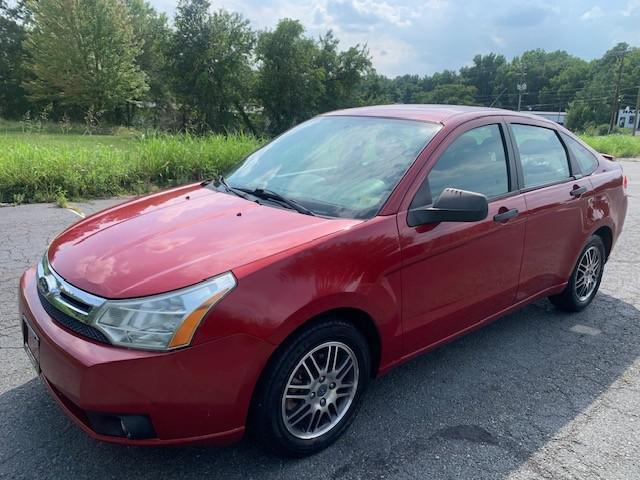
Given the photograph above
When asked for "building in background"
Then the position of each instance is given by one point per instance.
(626, 118)
(558, 117)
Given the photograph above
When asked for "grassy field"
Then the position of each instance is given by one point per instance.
(48, 167)
(616, 145)
(38, 167)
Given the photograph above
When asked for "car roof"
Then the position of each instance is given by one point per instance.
(431, 113)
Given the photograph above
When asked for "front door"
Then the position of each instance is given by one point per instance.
(457, 274)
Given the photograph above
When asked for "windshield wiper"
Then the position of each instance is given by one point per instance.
(230, 189)
(271, 195)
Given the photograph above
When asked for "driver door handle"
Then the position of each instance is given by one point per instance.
(578, 191)
(504, 216)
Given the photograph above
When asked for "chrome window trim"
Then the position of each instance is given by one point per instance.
(51, 285)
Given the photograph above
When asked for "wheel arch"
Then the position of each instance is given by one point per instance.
(357, 317)
(606, 234)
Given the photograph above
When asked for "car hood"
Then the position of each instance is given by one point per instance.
(177, 238)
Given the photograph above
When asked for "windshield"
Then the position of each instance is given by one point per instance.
(337, 166)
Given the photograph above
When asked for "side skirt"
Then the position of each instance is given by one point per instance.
(516, 306)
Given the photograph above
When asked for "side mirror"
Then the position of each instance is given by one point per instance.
(452, 205)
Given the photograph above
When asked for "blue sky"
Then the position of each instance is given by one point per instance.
(410, 36)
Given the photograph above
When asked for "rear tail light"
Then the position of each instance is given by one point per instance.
(625, 182)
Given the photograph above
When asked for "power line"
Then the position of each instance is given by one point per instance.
(551, 94)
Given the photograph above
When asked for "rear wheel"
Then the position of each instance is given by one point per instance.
(312, 389)
(585, 279)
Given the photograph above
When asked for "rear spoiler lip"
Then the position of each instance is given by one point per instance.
(608, 157)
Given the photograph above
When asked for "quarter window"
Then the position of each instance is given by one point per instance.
(475, 161)
(543, 158)
(587, 162)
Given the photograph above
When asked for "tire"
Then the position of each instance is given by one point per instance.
(279, 423)
(582, 287)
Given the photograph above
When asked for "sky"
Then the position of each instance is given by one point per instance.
(423, 37)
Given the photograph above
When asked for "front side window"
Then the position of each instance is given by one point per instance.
(475, 161)
(587, 162)
(339, 166)
(543, 158)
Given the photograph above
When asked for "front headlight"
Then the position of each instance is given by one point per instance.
(164, 321)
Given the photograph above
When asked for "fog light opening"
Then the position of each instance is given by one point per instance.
(133, 427)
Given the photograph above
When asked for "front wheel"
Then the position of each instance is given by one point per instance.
(312, 389)
(585, 279)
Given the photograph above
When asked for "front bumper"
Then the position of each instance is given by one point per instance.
(198, 394)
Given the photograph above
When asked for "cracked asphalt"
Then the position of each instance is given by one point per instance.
(539, 394)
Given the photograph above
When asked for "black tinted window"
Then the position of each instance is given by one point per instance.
(475, 161)
(542, 156)
(585, 158)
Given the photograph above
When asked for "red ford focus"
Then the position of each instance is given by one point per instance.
(267, 301)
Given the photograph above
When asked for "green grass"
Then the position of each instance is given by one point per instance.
(54, 167)
(49, 167)
(616, 145)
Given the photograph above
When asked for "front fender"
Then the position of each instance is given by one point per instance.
(358, 269)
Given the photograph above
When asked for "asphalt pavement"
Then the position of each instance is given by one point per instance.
(538, 394)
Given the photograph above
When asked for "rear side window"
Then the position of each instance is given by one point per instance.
(586, 160)
(475, 161)
(543, 158)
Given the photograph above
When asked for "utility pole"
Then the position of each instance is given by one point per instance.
(616, 99)
(636, 116)
(521, 86)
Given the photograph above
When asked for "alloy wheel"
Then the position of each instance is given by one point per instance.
(588, 273)
(320, 390)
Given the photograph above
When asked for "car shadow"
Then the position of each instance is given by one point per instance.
(480, 407)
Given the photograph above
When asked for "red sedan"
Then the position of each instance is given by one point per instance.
(267, 300)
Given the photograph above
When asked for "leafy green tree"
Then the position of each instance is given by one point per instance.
(483, 73)
(343, 72)
(82, 53)
(212, 56)
(592, 104)
(13, 101)
(228, 64)
(189, 41)
(290, 83)
(151, 29)
(374, 89)
(450, 94)
(407, 88)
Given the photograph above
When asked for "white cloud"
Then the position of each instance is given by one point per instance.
(497, 40)
(426, 36)
(592, 14)
(632, 8)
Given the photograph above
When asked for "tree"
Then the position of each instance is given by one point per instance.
(228, 64)
(212, 56)
(343, 72)
(290, 82)
(591, 105)
(13, 101)
(374, 89)
(450, 94)
(151, 29)
(483, 73)
(188, 43)
(82, 53)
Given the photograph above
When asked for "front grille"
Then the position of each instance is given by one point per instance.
(71, 323)
(79, 305)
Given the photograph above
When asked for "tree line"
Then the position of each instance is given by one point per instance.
(122, 62)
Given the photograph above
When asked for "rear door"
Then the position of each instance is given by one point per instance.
(556, 196)
(456, 274)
